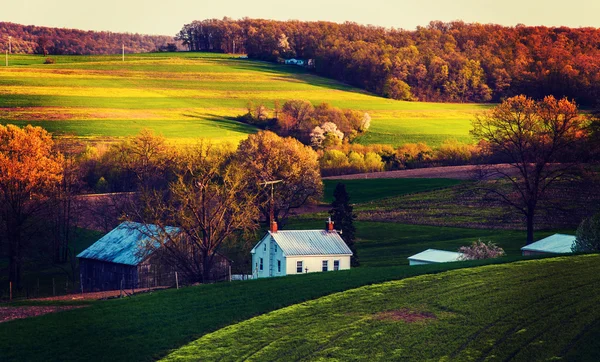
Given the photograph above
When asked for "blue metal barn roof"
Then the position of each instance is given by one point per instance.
(556, 244)
(125, 244)
(436, 256)
(308, 242)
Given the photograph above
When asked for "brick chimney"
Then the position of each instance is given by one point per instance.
(329, 225)
(273, 226)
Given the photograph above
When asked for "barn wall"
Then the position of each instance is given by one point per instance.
(96, 275)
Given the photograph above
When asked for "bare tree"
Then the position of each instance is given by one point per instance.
(209, 203)
(538, 140)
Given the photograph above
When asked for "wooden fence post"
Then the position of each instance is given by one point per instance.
(176, 280)
(10, 290)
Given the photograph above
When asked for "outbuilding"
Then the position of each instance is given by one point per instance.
(127, 258)
(286, 252)
(120, 259)
(434, 256)
(555, 244)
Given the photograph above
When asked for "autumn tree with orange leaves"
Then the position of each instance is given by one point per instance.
(30, 171)
(539, 140)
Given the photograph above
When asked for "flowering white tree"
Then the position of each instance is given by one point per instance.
(365, 123)
(328, 134)
(481, 250)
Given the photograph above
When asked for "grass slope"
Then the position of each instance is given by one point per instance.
(367, 190)
(146, 327)
(190, 95)
(535, 310)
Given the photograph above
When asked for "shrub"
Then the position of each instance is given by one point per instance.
(588, 235)
(481, 250)
(455, 153)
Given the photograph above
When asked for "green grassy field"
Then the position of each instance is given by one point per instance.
(536, 310)
(368, 190)
(146, 327)
(189, 95)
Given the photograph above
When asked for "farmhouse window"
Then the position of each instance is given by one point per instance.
(325, 265)
(265, 247)
(299, 266)
(336, 265)
(275, 247)
(279, 266)
(261, 263)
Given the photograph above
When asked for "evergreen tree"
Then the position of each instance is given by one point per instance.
(343, 218)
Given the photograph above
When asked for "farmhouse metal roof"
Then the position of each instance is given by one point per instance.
(125, 244)
(556, 244)
(436, 256)
(308, 242)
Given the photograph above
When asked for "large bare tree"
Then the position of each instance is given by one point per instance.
(538, 139)
(209, 203)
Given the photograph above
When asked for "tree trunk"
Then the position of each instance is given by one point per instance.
(530, 215)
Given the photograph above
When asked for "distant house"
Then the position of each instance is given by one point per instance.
(434, 256)
(555, 244)
(293, 61)
(286, 252)
(126, 258)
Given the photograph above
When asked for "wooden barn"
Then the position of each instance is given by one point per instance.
(121, 260)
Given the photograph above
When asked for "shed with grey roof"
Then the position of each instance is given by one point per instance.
(126, 258)
(554, 244)
(285, 252)
(434, 256)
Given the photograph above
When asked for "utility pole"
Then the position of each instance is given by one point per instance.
(7, 58)
(123, 51)
(272, 200)
(10, 44)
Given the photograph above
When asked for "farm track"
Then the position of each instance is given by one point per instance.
(467, 172)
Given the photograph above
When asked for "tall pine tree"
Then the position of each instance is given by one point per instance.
(343, 218)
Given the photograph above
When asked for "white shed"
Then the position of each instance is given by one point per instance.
(434, 256)
(555, 244)
(285, 252)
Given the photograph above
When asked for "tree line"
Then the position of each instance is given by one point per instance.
(30, 39)
(454, 62)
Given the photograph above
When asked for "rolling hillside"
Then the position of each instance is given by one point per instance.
(189, 95)
(525, 311)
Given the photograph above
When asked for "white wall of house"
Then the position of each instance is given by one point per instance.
(263, 250)
(315, 263)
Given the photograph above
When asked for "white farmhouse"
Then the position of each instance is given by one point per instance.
(293, 61)
(286, 252)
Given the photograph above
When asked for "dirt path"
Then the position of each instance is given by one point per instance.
(468, 172)
(10, 313)
(97, 295)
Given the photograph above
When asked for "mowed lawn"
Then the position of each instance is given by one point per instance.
(189, 95)
(527, 311)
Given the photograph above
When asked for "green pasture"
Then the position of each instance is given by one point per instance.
(368, 190)
(146, 327)
(384, 244)
(217, 87)
(536, 310)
